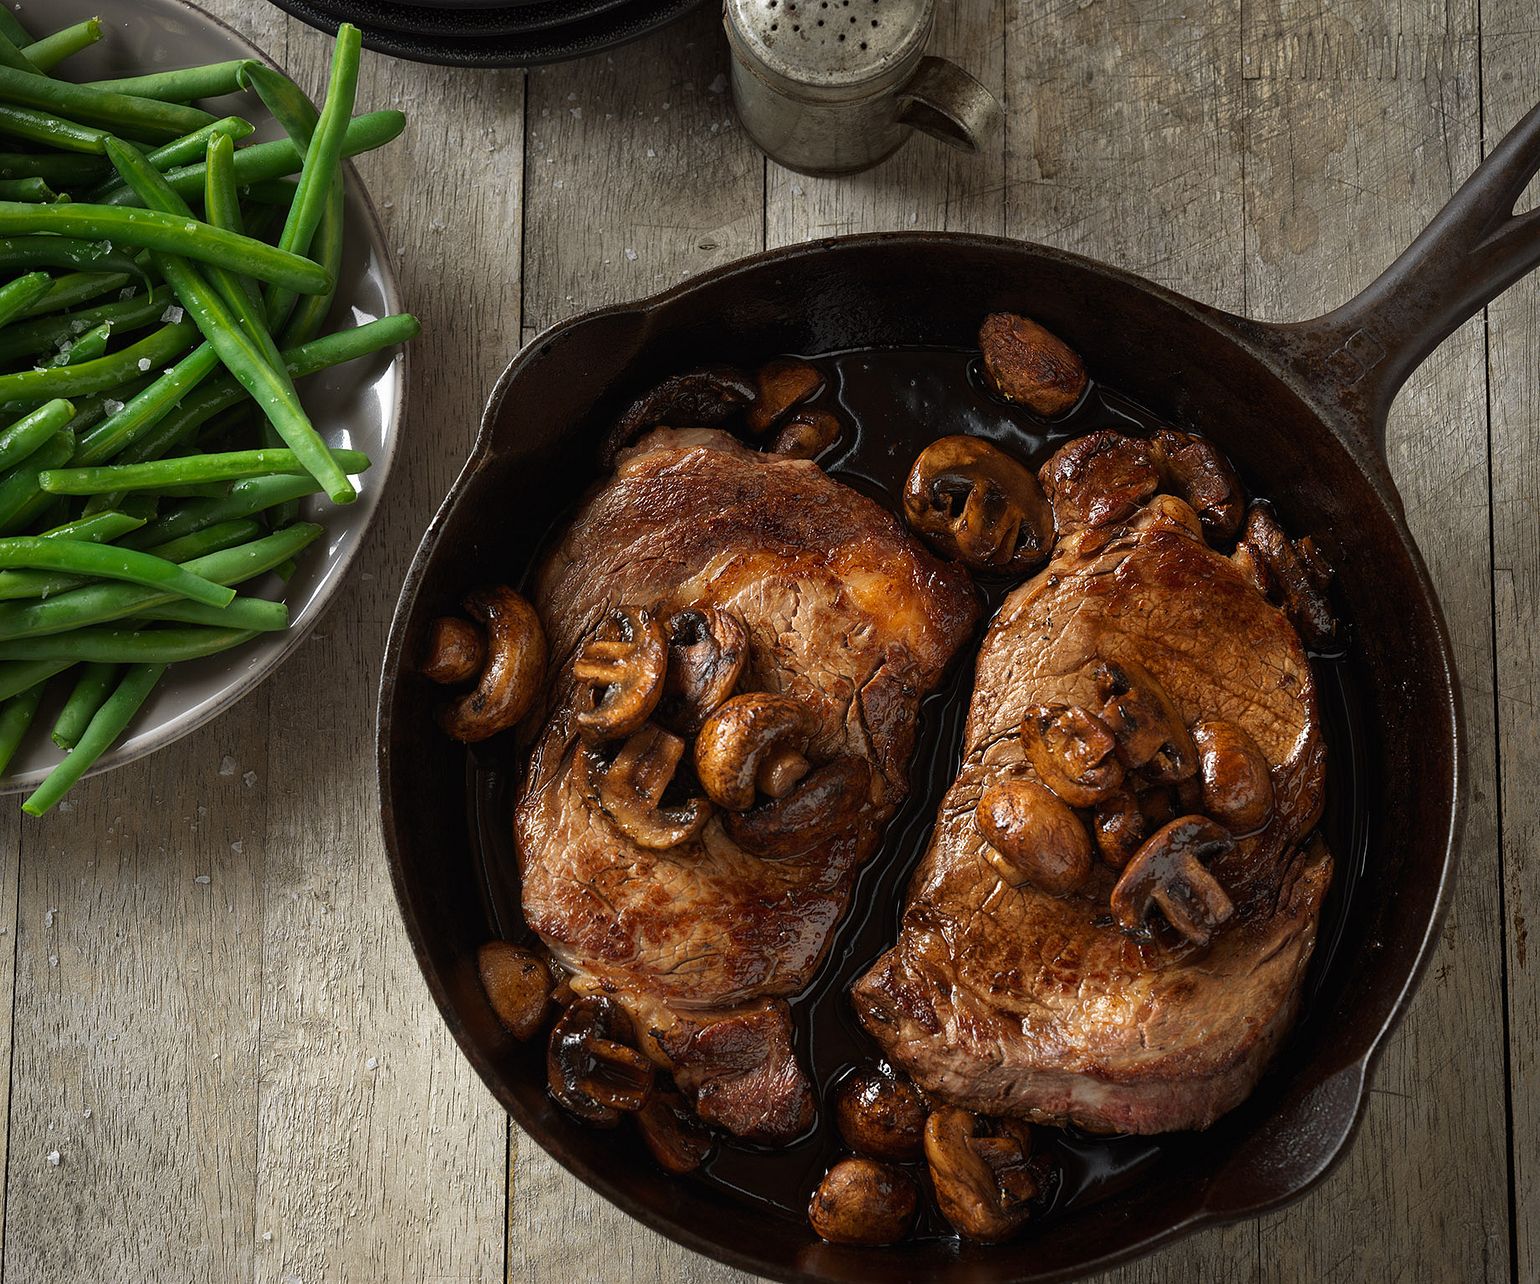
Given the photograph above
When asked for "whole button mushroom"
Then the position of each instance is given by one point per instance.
(591, 1068)
(620, 673)
(1197, 470)
(517, 984)
(454, 653)
(1150, 733)
(1169, 873)
(981, 1169)
(1073, 752)
(512, 672)
(1237, 787)
(1120, 827)
(1026, 364)
(1033, 838)
(880, 1116)
(973, 502)
(807, 434)
(862, 1201)
(704, 398)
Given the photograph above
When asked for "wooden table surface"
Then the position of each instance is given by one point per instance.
(216, 1027)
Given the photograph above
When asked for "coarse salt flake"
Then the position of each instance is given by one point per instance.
(144, 364)
(372, 1063)
(201, 878)
(173, 314)
(54, 1158)
(110, 406)
(630, 255)
(227, 766)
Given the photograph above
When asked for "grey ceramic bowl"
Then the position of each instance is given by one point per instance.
(356, 405)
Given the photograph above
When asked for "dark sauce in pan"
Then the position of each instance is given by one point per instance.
(894, 402)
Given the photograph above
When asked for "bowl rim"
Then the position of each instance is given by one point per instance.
(242, 684)
(1355, 1073)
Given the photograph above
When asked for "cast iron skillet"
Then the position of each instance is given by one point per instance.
(1301, 409)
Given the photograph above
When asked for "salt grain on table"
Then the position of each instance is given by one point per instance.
(227, 766)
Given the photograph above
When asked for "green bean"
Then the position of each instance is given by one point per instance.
(180, 84)
(254, 613)
(28, 433)
(21, 498)
(108, 562)
(222, 208)
(27, 338)
(23, 675)
(109, 723)
(26, 189)
(51, 131)
(249, 355)
(75, 288)
(125, 646)
(255, 495)
(21, 584)
(210, 539)
(261, 161)
(323, 159)
(88, 347)
(63, 251)
(147, 408)
(92, 687)
(154, 230)
(99, 603)
(186, 470)
(16, 716)
(10, 26)
(178, 152)
(60, 169)
(163, 345)
(126, 114)
(102, 528)
(12, 56)
(50, 51)
(18, 295)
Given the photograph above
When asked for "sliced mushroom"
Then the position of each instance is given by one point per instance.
(985, 1184)
(1120, 827)
(1033, 838)
(880, 1115)
(707, 649)
(752, 744)
(1073, 752)
(591, 1068)
(1150, 732)
(862, 1201)
(827, 801)
(620, 673)
(780, 387)
(455, 651)
(518, 986)
(704, 398)
(975, 503)
(630, 790)
(1237, 787)
(807, 434)
(1169, 873)
(1198, 471)
(514, 671)
(674, 1134)
(1290, 573)
(1026, 364)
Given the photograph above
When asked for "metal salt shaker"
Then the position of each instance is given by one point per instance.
(835, 86)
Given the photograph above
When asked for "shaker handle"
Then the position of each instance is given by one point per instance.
(944, 101)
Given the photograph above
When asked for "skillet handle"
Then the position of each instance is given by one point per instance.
(1469, 254)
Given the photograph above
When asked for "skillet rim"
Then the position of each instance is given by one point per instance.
(1277, 346)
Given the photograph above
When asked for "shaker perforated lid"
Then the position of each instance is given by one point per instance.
(830, 43)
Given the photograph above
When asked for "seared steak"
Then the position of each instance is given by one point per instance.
(1008, 1000)
(844, 613)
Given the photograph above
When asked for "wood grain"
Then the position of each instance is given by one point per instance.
(1361, 118)
(1510, 87)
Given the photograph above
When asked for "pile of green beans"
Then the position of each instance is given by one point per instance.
(164, 291)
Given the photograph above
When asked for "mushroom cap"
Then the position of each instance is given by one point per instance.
(1028, 365)
(880, 1115)
(592, 1070)
(1237, 786)
(1033, 838)
(781, 386)
(707, 649)
(863, 1201)
(1198, 471)
(454, 652)
(1151, 735)
(975, 503)
(619, 673)
(1168, 873)
(630, 787)
(517, 985)
(984, 1184)
(746, 735)
(1073, 752)
(514, 672)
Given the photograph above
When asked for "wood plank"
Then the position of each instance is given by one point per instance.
(380, 1156)
(1360, 120)
(1510, 42)
(1123, 143)
(638, 176)
(926, 184)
